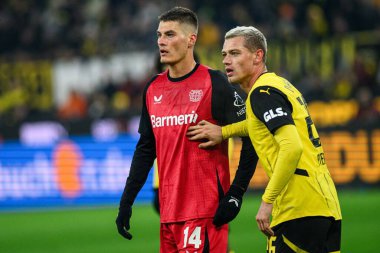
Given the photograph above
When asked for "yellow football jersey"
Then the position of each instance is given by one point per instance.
(310, 191)
(155, 175)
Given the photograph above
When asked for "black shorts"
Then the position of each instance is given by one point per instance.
(307, 235)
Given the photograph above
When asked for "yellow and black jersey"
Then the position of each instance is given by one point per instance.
(274, 103)
(155, 175)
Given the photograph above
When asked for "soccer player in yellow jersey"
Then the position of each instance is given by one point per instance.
(300, 195)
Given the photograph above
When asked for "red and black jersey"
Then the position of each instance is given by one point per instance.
(192, 180)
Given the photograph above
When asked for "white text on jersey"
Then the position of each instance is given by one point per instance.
(173, 120)
(270, 114)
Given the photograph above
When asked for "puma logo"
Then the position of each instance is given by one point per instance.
(265, 91)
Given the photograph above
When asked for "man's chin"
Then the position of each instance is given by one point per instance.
(231, 79)
(165, 60)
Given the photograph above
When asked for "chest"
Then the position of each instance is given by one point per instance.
(180, 98)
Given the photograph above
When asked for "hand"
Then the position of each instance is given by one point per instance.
(263, 218)
(205, 130)
(122, 221)
(229, 206)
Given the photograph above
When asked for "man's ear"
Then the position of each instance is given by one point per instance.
(192, 40)
(259, 56)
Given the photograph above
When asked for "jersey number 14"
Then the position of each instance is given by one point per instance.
(194, 238)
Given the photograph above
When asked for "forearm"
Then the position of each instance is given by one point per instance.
(235, 129)
(247, 164)
(290, 151)
(142, 162)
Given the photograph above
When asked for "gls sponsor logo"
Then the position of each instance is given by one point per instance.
(271, 115)
(173, 120)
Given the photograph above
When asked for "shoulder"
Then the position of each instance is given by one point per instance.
(216, 73)
(267, 92)
(266, 97)
(219, 81)
(150, 82)
(218, 76)
(269, 77)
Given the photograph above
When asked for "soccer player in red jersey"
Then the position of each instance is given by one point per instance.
(196, 198)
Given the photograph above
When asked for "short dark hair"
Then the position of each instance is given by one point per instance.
(181, 15)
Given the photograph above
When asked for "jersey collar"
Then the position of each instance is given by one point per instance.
(178, 79)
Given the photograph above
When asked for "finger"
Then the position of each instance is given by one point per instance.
(193, 132)
(206, 145)
(259, 225)
(204, 123)
(128, 235)
(192, 128)
(265, 233)
(263, 227)
(122, 231)
(197, 137)
(270, 231)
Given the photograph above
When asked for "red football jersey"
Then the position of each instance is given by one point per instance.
(188, 175)
(192, 180)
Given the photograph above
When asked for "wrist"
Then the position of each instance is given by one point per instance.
(236, 190)
(224, 133)
(266, 200)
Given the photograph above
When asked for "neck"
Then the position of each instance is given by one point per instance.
(182, 68)
(247, 86)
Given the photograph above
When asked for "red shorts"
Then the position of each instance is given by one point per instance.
(193, 236)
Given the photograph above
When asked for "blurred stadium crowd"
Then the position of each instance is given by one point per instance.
(345, 34)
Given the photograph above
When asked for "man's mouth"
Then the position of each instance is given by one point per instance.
(229, 71)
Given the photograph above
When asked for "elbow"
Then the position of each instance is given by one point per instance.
(297, 150)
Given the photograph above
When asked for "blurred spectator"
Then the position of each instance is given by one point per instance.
(109, 89)
(98, 105)
(13, 102)
(120, 104)
(74, 108)
(367, 113)
(49, 29)
(342, 86)
(287, 24)
(307, 33)
(316, 20)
